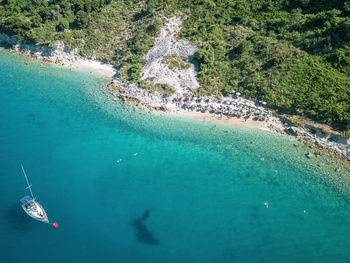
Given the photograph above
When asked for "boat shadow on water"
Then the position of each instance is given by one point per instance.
(143, 234)
(16, 218)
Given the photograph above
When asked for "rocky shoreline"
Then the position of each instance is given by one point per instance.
(336, 143)
(58, 53)
(131, 93)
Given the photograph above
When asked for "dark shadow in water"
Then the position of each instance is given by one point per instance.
(142, 233)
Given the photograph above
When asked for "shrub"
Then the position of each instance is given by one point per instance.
(82, 19)
(62, 25)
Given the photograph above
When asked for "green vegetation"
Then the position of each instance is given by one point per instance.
(118, 32)
(295, 54)
(176, 62)
(36, 21)
(161, 88)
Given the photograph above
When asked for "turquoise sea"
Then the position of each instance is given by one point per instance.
(184, 191)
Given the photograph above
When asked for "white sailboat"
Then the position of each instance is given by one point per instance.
(31, 206)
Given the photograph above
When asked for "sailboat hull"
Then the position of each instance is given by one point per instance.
(36, 211)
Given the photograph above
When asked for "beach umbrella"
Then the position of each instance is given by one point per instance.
(238, 93)
(264, 103)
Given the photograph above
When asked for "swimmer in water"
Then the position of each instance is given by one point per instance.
(262, 158)
(276, 171)
(305, 212)
(266, 204)
(118, 161)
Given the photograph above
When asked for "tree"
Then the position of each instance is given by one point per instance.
(82, 19)
(36, 21)
(347, 6)
(205, 57)
(62, 25)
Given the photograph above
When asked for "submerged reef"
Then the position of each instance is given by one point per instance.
(143, 234)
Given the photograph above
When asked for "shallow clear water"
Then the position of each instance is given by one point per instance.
(193, 193)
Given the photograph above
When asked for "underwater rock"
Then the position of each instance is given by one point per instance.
(142, 232)
(310, 155)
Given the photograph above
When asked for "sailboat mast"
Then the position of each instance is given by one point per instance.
(29, 186)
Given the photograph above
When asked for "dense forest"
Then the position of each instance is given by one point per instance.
(294, 54)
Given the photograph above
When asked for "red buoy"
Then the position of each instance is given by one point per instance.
(55, 225)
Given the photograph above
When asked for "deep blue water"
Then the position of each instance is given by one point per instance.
(192, 193)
